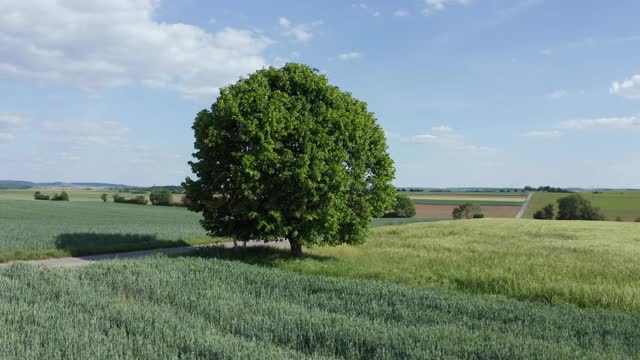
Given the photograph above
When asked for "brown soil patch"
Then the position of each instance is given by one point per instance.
(444, 211)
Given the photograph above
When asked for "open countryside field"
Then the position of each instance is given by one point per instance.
(203, 308)
(444, 211)
(40, 229)
(613, 203)
(440, 205)
(589, 264)
(85, 226)
(90, 195)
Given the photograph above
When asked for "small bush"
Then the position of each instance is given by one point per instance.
(138, 200)
(161, 197)
(104, 197)
(466, 211)
(478, 216)
(403, 208)
(39, 196)
(546, 213)
(638, 220)
(619, 219)
(62, 197)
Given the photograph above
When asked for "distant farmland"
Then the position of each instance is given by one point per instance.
(440, 205)
(614, 203)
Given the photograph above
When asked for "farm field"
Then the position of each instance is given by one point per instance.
(431, 211)
(589, 264)
(40, 229)
(192, 308)
(614, 203)
(86, 226)
(83, 195)
(440, 205)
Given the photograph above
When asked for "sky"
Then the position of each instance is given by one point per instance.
(470, 93)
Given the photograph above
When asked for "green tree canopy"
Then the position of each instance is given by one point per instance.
(161, 197)
(577, 207)
(284, 155)
(403, 208)
(467, 211)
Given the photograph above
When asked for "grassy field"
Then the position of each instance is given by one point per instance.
(460, 202)
(465, 193)
(39, 229)
(444, 212)
(625, 204)
(42, 229)
(589, 264)
(164, 308)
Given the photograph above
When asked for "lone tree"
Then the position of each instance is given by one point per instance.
(104, 197)
(284, 155)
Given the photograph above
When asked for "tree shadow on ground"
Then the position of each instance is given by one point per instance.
(81, 244)
(267, 256)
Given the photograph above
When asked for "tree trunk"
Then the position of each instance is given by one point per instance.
(296, 248)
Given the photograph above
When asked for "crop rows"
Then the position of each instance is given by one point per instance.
(197, 308)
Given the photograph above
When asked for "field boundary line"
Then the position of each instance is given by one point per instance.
(175, 251)
(524, 206)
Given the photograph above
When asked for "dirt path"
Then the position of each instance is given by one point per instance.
(86, 260)
(524, 206)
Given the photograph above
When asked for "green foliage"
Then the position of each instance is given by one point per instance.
(613, 203)
(161, 197)
(138, 200)
(62, 197)
(104, 197)
(478, 216)
(284, 155)
(546, 213)
(466, 211)
(576, 207)
(39, 229)
(188, 308)
(619, 219)
(39, 196)
(403, 208)
(638, 220)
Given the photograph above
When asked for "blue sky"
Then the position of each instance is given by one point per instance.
(470, 92)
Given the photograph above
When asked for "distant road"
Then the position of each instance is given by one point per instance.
(524, 206)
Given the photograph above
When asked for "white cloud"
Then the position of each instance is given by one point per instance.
(559, 93)
(212, 20)
(299, 32)
(85, 133)
(628, 88)
(546, 52)
(543, 134)
(437, 5)
(106, 43)
(400, 13)
(446, 137)
(9, 124)
(350, 55)
(612, 123)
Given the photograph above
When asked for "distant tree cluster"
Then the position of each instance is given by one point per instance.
(403, 208)
(572, 207)
(138, 200)
(549, 189)
(63, 196)
(161, 197)
(467, 211)
(416, 190)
